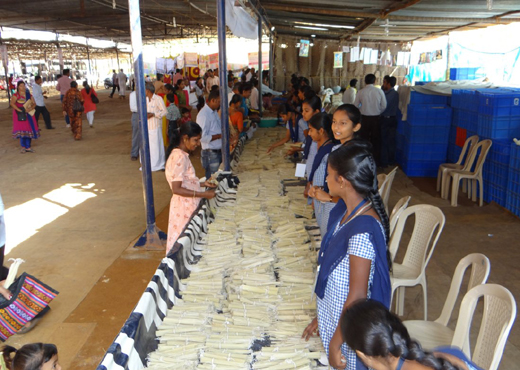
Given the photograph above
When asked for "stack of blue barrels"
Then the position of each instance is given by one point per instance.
(491, 114)
(422, 140)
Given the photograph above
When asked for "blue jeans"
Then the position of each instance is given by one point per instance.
(211, 160)
(67, 120)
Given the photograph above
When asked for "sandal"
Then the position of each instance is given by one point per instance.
(30, 150)
(25, 329)
(23, 150)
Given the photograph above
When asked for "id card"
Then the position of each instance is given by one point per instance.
(300, 170)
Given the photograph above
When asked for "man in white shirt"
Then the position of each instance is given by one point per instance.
(39, 97)
(156, 111)
(136, 133)
(349, 96)
(211, 81)
(371, 101)
(253, 99)
(63, 86)
(211, 140)
(249, 75)
(236, 90)
(121, 79)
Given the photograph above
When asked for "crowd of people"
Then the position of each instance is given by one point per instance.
(27, 108)
(173, 134)
(342, 153)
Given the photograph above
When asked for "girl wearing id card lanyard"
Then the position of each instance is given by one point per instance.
(354, 259)
(295, 132)
(346, 124)
(320, 129)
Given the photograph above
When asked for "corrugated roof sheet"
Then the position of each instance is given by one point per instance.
(372, 20)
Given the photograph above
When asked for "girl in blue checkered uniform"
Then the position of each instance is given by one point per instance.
(345, 127)
(354, 259)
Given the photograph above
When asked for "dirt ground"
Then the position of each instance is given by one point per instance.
(86, 245)
(81, 205)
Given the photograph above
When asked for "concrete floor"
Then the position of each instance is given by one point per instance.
(84, 249)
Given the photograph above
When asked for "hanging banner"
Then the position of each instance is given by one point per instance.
(338, 59)
(180, 61)
(304, 48)
(160, 65)
(253, 59)
(374, 54)
(193, 73)
(346, 49)
(203, 63)
(3, 51)
(170, 65)
(354, 54)
(213, 60)
(191, 59)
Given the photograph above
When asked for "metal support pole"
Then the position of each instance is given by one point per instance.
(152, 238)
(89, 66)
(6, 68)
(60, 54)
(117, 54)
(260, 101)
(271, 60)
(222, 68)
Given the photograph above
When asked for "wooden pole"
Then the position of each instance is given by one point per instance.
(5, 62)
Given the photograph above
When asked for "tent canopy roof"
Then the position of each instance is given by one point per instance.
(372, 20)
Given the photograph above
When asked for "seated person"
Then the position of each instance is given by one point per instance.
(235, 114)
(382, 342)
(297, 128)
(245, 91)
(253, 99)
(235, 90)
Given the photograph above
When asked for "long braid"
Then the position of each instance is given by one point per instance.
(410, 349)
(369, 327)
(416, 353)
(379, 207)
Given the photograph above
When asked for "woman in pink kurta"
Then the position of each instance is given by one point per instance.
(181, 177)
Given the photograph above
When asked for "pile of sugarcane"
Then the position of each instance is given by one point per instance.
(249, 298)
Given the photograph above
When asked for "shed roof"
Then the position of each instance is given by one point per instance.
(373, 20)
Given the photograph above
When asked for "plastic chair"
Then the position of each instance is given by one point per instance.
(469, 145)
(381, 180)
(411, 272)
(469, 174)
(436, 333)
(399, 207)
(385, 188)
(497, 320)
